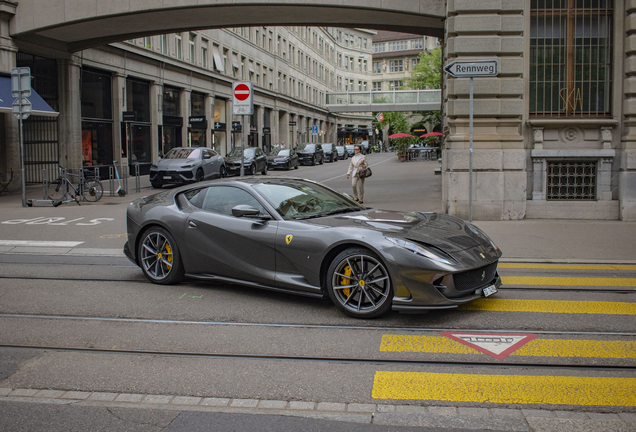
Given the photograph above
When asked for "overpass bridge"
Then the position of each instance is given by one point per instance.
(397, 100)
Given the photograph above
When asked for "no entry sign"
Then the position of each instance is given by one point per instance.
(242, 98)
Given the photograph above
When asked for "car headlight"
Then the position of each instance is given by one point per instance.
(154, 166)
(188, 166)
(429, 253)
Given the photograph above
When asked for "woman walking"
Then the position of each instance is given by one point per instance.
(357, 164)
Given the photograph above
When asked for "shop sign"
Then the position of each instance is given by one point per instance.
(219, 126)
(172, 121)
(236, 126)
(292, 123)
(129, 116)
(198, 121)
(253, 128)
(266, 130)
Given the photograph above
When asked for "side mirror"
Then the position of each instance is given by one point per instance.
(244, 210)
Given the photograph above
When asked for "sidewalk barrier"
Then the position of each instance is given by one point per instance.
(111, 181)
(137, 179)
(45, 184)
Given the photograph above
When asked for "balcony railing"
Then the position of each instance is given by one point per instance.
(385, 97)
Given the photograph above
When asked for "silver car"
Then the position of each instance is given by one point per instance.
(183, 165)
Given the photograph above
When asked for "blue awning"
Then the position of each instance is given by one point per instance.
(39, 107)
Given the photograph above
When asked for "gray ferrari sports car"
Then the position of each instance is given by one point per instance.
(299, 236)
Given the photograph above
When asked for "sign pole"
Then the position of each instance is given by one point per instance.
(242, 146)
(24, 203)
(470, 156)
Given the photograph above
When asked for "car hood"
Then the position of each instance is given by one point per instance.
(446, 232)
(279, 158)
(174, 163)
(309, 152)
(238, 159)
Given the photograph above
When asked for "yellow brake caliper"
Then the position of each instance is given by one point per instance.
(169, 253)
(346, 281)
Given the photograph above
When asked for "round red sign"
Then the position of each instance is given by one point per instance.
(241, 92)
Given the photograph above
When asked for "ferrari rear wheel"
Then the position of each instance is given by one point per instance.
(359, 284)
(159, 257)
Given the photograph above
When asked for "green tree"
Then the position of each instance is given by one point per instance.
(427, 74)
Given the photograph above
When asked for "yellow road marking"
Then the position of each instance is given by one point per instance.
(568, 266)
(534, 348)
(509, 389)
(551, 306)
(568, 281)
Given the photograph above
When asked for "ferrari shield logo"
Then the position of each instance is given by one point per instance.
(289, 238)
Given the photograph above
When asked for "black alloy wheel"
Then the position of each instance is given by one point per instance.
(200, 175)
(253, 169)
(222, 172)
(359, 284)
(264, 172)
(159, 257)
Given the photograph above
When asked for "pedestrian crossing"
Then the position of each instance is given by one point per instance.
(532, 386)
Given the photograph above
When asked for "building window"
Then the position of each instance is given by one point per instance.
(178, 46)
(192, 47)
(376, 67)
(164, 44)
(395, 85)
(396, 66)
(571, 58)
(204, 54)
(148, 42)
(377, 86)
(415, 62)
(571, 180)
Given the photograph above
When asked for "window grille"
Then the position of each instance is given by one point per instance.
(571, 58)
(571, 180)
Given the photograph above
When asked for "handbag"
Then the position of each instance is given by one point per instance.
(365, 173)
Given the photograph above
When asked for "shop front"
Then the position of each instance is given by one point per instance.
(220, 127)
(198, 123)
(97, 121)
(170, 132)
(135, 129)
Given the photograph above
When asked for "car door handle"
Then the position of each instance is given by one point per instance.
(192, 224)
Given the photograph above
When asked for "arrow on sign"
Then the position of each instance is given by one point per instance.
(475, 68)
(498, 346)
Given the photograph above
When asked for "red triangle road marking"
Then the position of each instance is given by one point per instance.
(496, 345)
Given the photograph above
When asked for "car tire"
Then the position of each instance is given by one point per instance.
(288, 166)
(253, 169)
(159, 257)
(222, 172)
(200, 176)
(322, 159)
(264, 172)
(313, 161)
(368, 295)
(156, 185)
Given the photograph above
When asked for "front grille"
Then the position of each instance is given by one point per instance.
(474, 279)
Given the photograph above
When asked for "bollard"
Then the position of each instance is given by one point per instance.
(111, 181)
(45, 184)
(137, 179)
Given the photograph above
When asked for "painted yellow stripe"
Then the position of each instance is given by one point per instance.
(534, 348)
(568, 266)
(551, 306)
(509, 389)
(568, 281)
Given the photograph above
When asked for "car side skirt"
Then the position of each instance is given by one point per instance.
(214, 278)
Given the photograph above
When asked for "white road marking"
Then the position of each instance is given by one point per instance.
(35, 243)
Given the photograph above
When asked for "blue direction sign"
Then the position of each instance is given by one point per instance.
(472, 68)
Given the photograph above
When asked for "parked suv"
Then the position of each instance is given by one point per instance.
(330, 153)
(254, 160)
(310, 154)
(183, 165)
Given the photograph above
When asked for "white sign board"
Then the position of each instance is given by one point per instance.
(474, 68)
(21, 82)
(242, 98)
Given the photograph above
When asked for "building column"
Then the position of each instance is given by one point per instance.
(493, 31)
(156, 118)
(70, 119)
(260, 111)
(184, 102)
(8, 49)
(119, 106)
(209, 119)
(275, 126)
(627, 150)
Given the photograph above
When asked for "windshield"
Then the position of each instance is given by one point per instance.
(298, 199)
(326, 147)
(236, 152)
(280, 152)
(183, 153)
(307, 147)
(349, 147)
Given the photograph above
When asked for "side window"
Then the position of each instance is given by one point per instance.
(212, 153)
(259, 152)
(221, 199)
(195, 197)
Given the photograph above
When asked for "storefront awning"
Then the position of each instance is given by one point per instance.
(39, 107)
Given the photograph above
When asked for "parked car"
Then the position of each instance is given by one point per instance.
(365, 147)
(183, 165)
(329, 152)
(342, 153)
(349, 149)
(283, 159)
(310, 154)
(254, 161)
(299, 236)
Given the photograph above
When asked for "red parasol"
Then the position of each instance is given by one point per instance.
(401, 135)
(431, 134)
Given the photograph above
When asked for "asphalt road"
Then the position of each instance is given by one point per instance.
(92, 324)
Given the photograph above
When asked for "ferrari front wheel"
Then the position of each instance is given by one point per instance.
(359, 284)
(159, 257)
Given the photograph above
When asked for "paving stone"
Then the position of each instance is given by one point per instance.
(478, 412)
(356, 407)
(51, 394)
(571, 415)
(272, 404)
(574, 425)
(603, 416)
(301, 405)
(410, 409)
(216, 402)
(157, 399)
(628, 417)
(386, 408)
(75, 395)
(244, 403)
(23, 392)
(186, 400)
(454, 423)
(331, 406)
(506, 412)
(5, 391)
(537, 413)
(127, 397)
(102, 396)
(450, 411)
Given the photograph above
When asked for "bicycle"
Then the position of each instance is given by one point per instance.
(89, 190)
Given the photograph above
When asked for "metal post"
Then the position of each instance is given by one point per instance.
(137, 179)
(45, 183)
(242, 145)
(111, 182)
(470, 156)
(24, 203)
